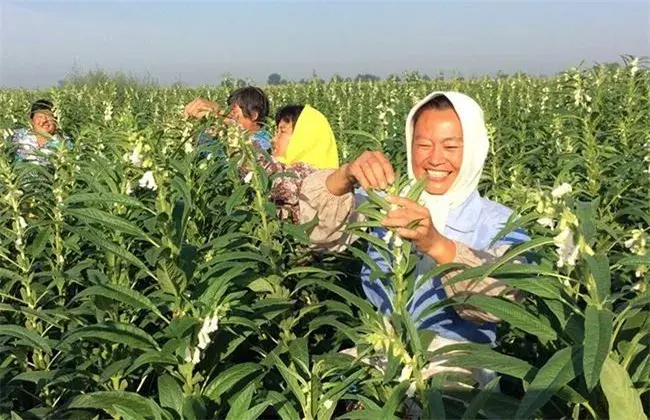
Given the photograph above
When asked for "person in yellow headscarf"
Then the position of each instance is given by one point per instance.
(304, 135)
(303, 143)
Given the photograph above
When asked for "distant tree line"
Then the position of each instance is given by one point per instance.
(99, 77)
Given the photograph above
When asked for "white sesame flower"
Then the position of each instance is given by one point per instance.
(248, 177)
(328, 404)
(148, 181)
(562, 190)
(128, 189)
(546, 222)
(210, 324)
(192, 356)
(136, 158)
(567, 249)
(390, 236)
(108, 111)
(21, 222)
(189, 148)
(406, 374)
(637, 243)
(410, 392)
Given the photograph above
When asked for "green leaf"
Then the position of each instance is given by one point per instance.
(236, 198)
(105, 400)
(261, 285)
(255, 412)
(91, 236)
(560, 369)
(126, 334)
(8, 274)
(396, 397)
(293, 380)
(36, 376)
(587, 219)
(635, 260)
(239, 256)
(481, 399)
(151, 358)
(599, 267)
(230, 377)
(412, 334)
(114, 369)
(127, 413)
(282, 406)
(170, 393)
(545, 287)
(28, 337)
(598, 334)
(297, 232)
(360, 303)
(104, 197)
(435, 407)
(164, 274)
(194, 408)
(512, 313)
(121, 294)
(109, 221)
(483, 357)
(298, 349)
(241, 403)
(623, 400)
(310, 270)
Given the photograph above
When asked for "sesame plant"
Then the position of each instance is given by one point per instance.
(145, 274)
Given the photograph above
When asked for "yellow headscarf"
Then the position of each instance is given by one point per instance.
(312, 142)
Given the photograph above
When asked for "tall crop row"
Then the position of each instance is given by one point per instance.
(141, 276)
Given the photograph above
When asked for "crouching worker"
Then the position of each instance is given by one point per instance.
(249, 108)
(43, 137)
(447, 145)
(303, 143)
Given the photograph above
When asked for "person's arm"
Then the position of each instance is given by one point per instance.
(332, 211)
(488, 286)
(200, 108)
(329, 195)
(371, 170)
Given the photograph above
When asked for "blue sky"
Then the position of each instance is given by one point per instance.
(197, 42)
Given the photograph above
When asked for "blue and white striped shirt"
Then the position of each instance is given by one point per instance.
(475, 224)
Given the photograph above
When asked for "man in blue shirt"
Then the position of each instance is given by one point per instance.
(249, 107)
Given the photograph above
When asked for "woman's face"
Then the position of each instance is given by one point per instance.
(282, 137)
(44, 122)
(437, 149)
(237, 116)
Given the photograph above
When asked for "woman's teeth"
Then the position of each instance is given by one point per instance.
(437, 174)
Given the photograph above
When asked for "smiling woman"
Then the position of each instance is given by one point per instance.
(446, 144)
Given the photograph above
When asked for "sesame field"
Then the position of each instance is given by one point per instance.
(142, 278)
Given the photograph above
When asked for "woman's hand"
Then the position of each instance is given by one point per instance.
(200, 107)
(424, 235)
(372, 170)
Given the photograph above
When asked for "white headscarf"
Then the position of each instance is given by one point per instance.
(475, 149)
